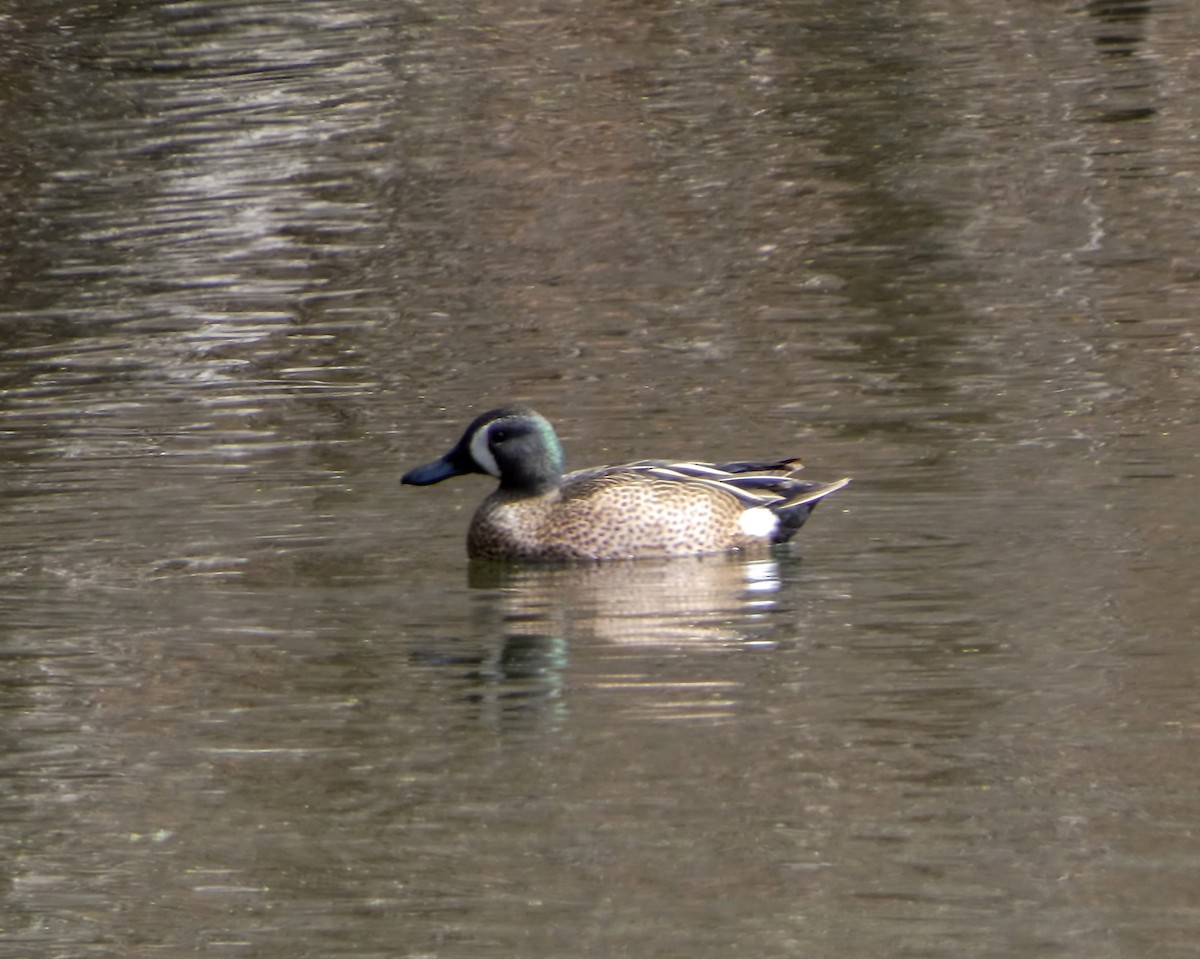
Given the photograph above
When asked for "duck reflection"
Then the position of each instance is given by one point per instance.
(619, 626)
(693, 600)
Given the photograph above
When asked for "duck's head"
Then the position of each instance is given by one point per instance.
(515, 444)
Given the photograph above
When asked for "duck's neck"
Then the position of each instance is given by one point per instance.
(530, 482)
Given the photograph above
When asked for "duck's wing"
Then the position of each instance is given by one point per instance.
(770, 483)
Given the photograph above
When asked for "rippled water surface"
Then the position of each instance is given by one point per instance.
(260, 258)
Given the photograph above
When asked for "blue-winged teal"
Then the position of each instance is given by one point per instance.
(649, 508)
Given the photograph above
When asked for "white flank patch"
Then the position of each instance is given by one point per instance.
(482, 455)
(759, 522)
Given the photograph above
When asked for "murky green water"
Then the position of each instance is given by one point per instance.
(260, 258)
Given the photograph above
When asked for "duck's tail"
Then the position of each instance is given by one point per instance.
(801, 500)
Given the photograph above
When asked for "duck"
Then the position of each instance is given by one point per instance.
(648, 508)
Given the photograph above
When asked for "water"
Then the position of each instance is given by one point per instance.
(260, 258)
